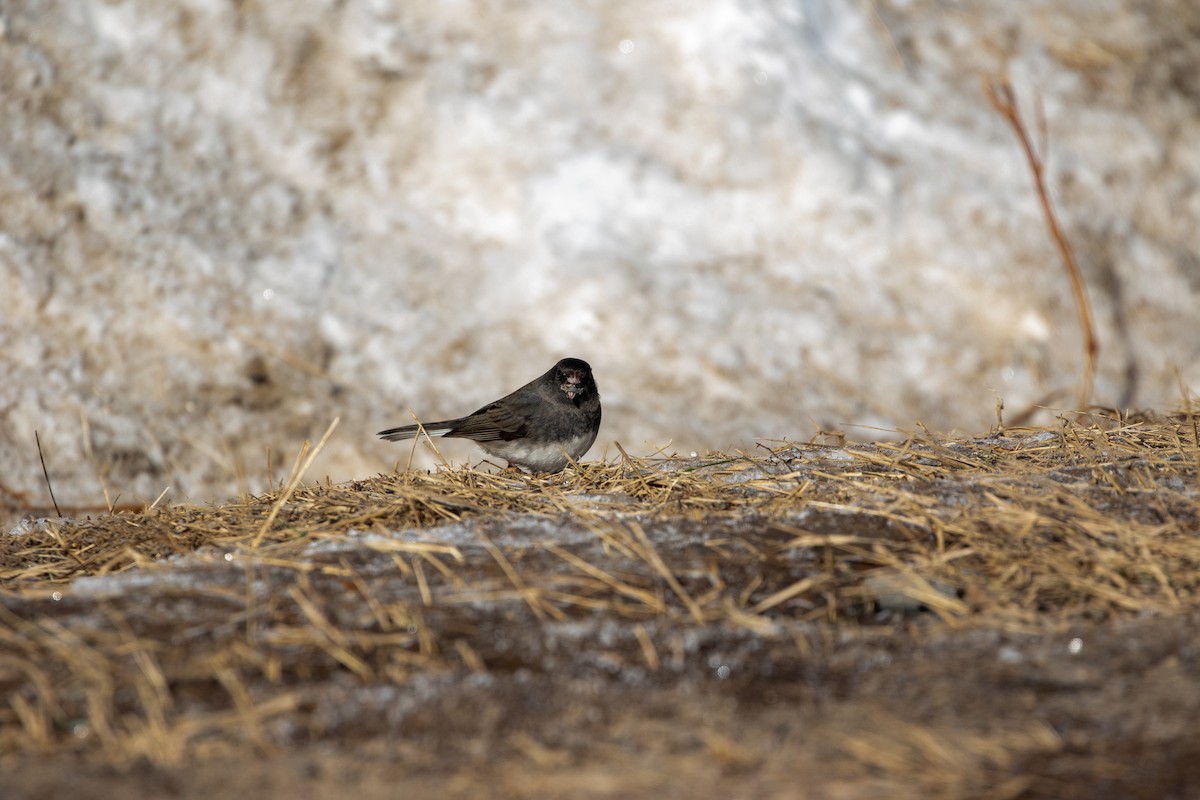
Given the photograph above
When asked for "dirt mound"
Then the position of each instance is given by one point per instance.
(1000, 616)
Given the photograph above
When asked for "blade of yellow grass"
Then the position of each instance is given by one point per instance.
(469, 657)
(422, 583)
(648, 649)
(530, 596)
(783, 595)
(655, 560)
(632, 592)
(298, 471)
(331, 640)
(396, 546)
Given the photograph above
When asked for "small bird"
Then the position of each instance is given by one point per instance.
(537, 427)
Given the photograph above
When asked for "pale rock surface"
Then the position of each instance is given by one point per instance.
(223, 224)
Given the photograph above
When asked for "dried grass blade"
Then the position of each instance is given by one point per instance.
(641, 595)
(655, 560)
(298, 472)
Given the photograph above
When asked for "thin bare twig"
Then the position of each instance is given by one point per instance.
(1000, 93)
(46, 473)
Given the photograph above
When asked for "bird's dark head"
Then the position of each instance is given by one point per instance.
(574, 378)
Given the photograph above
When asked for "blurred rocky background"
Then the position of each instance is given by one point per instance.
(223, 224)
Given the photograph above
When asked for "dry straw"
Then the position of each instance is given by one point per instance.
(215, 622)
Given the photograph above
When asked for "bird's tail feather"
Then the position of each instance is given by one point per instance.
(411, 431)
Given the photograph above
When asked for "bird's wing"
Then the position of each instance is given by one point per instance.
(502, 420)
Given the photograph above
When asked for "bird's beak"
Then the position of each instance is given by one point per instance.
(573, 384)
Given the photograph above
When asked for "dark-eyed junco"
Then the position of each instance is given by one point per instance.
(536, 427)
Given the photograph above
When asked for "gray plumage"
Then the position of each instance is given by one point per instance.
(536, 427)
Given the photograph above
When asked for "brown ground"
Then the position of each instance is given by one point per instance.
(1010, 616)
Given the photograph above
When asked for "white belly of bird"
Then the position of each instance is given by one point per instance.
(539, 457)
